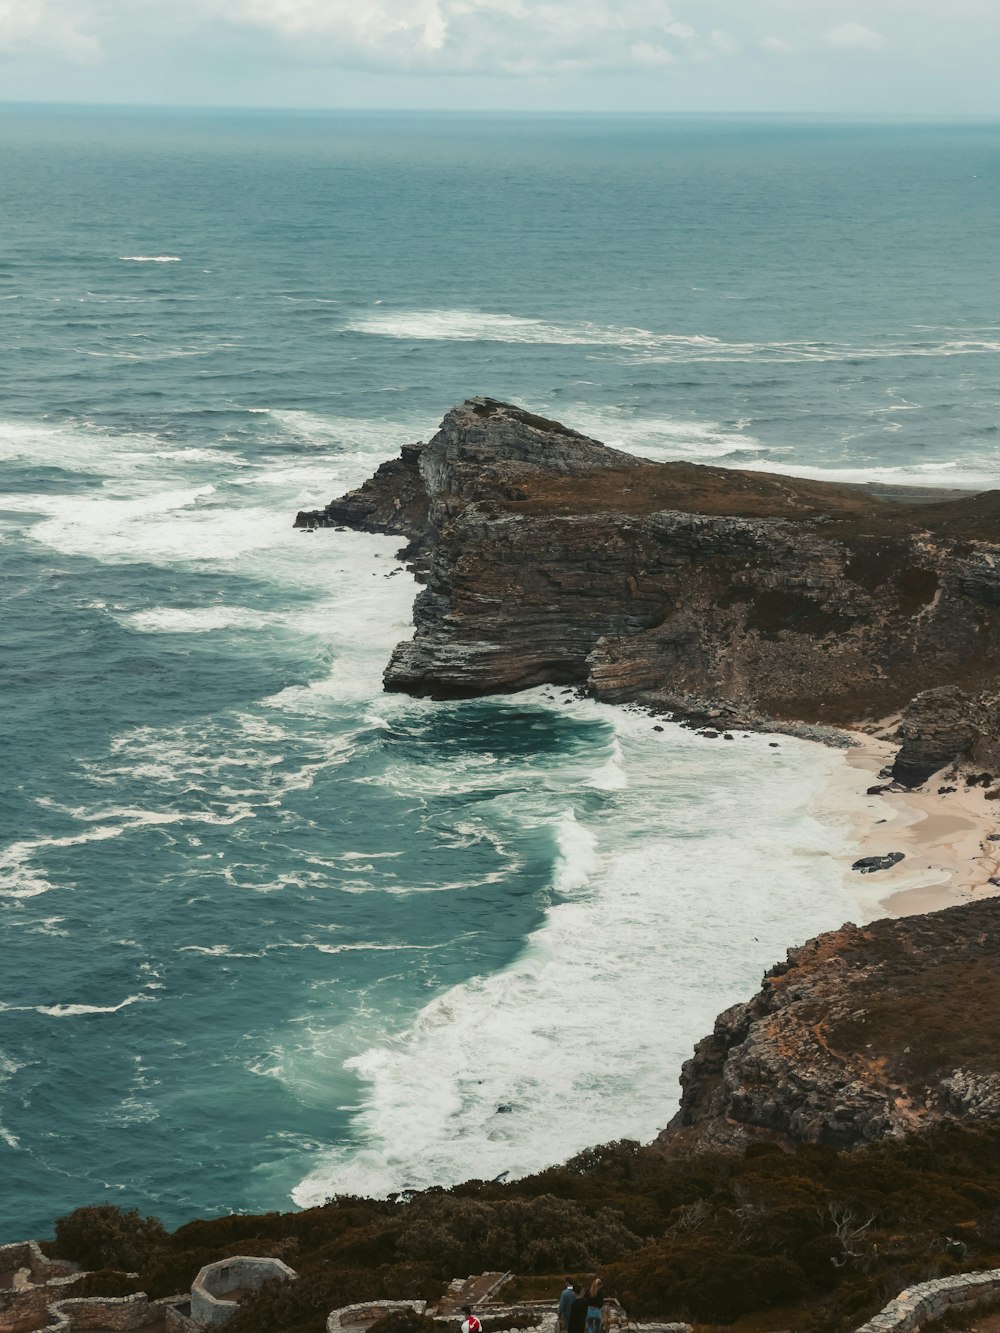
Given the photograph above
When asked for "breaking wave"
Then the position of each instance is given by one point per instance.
(460, 325)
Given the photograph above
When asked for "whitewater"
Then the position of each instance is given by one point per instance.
(270, 933)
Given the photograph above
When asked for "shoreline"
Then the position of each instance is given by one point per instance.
(944, 835)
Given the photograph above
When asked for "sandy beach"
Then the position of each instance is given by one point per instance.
(943, 830)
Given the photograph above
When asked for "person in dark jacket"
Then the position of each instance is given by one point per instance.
(578, 1315)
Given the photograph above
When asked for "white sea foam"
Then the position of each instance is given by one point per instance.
(702, 857)
(196, 619)
(368, 946)
(195, 524)
(791, 353)
(467, 325)
(8, 1069)
(958, 474)
(136, 817)
(665, 439)
(46, 925)
(484, 326)
(163, 527)
(611, 776)
(20, 879)
(577, 859)
(74, 448)
(661, 438)
(150, 259)
(74, 1010)
(219, 951)
(351, 434)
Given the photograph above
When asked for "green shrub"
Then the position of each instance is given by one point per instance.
(823, 1239)
(103, 1236)
(104, 1282)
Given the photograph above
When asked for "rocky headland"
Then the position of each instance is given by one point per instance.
(864, 1033)
(726, 597)
(838, 1136)
(838, 1142)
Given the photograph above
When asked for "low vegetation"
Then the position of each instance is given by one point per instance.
(808, 1239)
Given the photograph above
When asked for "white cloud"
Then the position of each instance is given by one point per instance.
(649, 55)
(682, 30)
(355, 23)
(700, 41)
(722, 42)
(35, 25)
(853, 36)
(512, 37)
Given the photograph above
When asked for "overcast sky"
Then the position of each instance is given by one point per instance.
(923, 57)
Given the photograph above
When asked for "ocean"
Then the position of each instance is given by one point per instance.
(269, 934)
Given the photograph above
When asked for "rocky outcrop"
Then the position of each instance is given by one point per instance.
(864, 1033)
(393, 501)
(939, 724)
(707, 592)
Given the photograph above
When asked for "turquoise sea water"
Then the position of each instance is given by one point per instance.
(267, 933)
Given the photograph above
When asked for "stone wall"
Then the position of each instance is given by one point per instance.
(661, 1328)
(928, 1301)
(29, 1301)
(367, 1312)
(27, 1254)
(178, 1319)
(210, 1289)
(534, 1315)
(113, 1312)
(26, 1304)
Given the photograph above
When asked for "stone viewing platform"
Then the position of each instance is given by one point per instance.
(36, 1295)
(219, 1288)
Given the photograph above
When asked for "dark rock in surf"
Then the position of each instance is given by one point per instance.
(867, 865)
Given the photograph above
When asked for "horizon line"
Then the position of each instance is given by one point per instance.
(866, 116)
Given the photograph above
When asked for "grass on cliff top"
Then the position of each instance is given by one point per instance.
(810, 1238)
(699, 489)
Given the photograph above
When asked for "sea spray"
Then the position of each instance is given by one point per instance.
(304, 872)
(691, 856)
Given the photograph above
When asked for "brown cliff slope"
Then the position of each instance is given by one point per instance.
(550, 558)
(865, 1033)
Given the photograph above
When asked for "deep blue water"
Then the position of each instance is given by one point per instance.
(265, 929)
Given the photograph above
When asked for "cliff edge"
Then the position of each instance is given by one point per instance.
(708, 592)
(864, 1033)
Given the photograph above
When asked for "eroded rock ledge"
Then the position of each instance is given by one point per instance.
(549, 558)
(864, 1033)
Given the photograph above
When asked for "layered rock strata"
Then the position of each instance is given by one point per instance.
(712, 593)
(864, 1033)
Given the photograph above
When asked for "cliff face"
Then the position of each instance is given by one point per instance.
(864, 1033)
(549, 557)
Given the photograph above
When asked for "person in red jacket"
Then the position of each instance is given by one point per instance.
(470, 1324)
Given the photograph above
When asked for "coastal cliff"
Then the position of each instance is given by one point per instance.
(864, 1033)
(718, 595)
(838, 1140)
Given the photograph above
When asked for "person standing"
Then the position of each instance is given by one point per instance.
(578, 1314)
(569, 1295)
(470, 1324)
(595, 1306)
